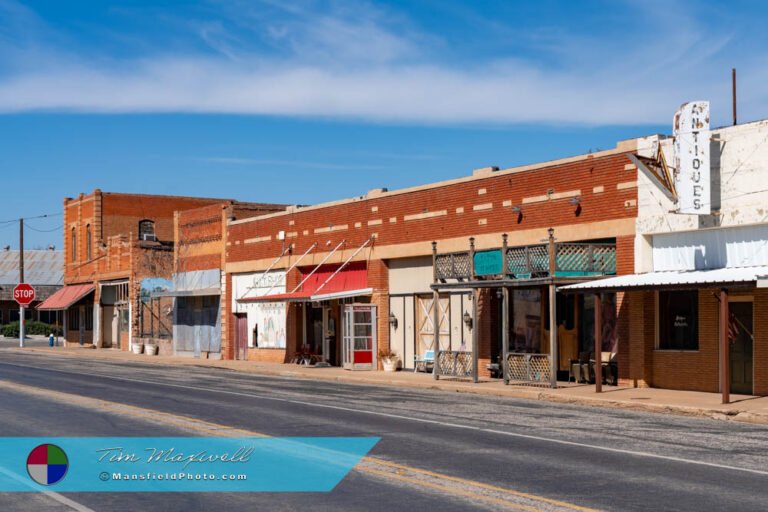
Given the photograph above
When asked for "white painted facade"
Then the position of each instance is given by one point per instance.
(411, 304)
(268, 319)
(735, 234)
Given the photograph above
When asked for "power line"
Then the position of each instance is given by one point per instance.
(42, 230)
(43, 216)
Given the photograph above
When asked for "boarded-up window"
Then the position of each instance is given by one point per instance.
(147, 230)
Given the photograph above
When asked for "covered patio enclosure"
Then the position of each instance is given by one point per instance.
(529, 334)
(704, 329)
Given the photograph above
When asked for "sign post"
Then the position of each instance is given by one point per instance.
(24, 294)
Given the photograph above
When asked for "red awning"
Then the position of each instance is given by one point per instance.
(67, 296)
(354, 276)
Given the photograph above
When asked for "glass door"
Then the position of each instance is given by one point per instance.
(359, 350)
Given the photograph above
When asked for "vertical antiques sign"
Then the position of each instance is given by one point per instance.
(692, 172)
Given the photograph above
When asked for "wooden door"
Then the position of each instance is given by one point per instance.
(741, 350)
(426, 323)
(241, 336)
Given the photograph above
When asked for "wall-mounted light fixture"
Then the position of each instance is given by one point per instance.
(392, 320)
(576, 201)
(519, 211)
(467, 320)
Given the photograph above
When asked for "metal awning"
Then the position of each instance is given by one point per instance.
(678, 279)
(65, 297)
(188, 293)
(309, 297)
(345, 294)
(279, 297)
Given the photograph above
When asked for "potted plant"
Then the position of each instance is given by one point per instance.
(389, 359)
(137, 347)
(150, 349)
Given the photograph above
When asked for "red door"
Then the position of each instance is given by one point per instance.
(241, 336)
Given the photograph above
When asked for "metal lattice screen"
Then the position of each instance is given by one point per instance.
(453, 266)
(525, 261)
(454, 363)
(529, 369)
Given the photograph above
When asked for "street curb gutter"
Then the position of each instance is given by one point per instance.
(741, 416)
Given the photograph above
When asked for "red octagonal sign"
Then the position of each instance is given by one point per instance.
(24, 294)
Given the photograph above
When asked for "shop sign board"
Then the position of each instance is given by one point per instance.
(692, 163)
(489, 263)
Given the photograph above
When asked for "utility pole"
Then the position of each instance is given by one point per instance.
(21, 280)
(733, 93)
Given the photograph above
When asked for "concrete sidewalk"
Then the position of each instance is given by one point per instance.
(746, 409)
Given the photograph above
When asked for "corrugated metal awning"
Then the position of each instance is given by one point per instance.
(67, 296)
(680, 279)
(188, 293)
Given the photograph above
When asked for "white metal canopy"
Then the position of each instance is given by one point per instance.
(758, 275)
(341, 295)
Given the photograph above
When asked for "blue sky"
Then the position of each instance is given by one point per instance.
(306, 102)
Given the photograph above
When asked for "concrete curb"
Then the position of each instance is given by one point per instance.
(737, 415)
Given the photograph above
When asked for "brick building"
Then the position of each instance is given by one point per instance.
(198, 260)
(115, 246)
(698, 296)
(334, 283)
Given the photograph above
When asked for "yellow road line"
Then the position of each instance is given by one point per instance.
(217, 429)
(450, 490)
(484, 486)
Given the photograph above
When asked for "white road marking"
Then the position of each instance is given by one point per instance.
(79, 507)
(419, 420)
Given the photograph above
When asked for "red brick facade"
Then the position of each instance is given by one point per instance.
(590, 197)
(101, 243)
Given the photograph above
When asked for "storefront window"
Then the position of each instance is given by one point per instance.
(609, 335)
(678, 320)
(526, 322)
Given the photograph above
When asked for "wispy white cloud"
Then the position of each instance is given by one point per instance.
(354, 62)
(256, 162)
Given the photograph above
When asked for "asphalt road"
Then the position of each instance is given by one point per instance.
(453, 451)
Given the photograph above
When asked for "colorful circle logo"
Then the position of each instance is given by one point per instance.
(47, 464)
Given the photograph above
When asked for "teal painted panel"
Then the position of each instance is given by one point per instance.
(488, 262)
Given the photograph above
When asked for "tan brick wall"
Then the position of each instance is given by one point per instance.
(641, 337)
(693, 370)
(267, 355)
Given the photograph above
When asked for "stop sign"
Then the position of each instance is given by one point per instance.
(24, 294)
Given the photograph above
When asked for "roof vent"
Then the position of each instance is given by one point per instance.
(375, 192)
(484, 171)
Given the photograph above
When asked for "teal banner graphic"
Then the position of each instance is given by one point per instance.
(178, 464)
(488, 263)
